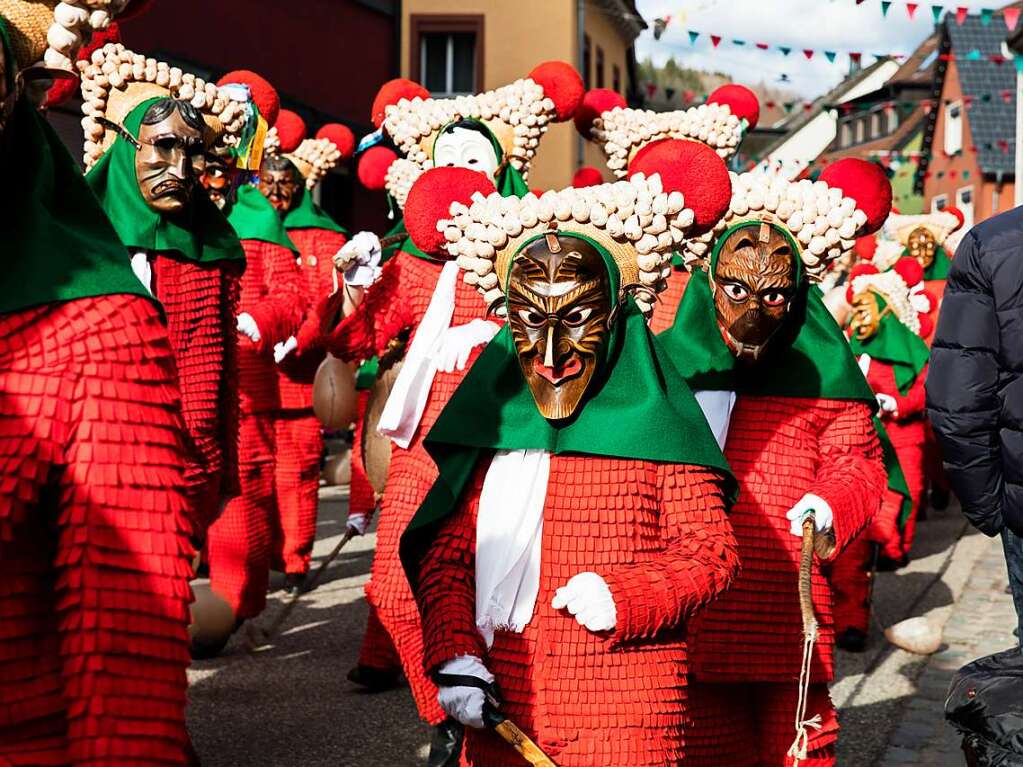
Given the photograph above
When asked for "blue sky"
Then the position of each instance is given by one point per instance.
(837, 25)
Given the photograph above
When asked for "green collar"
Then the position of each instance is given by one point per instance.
(634, 394)
(58, 244)
(308, 215)
(938, 270)
(203, 234)
(897, 345)
(253, 218)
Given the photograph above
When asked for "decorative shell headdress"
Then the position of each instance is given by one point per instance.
(639, 222)
(115, 80)
(824, 217)
(622, 132)
(314, 157)
(940, 224)
(902, 289)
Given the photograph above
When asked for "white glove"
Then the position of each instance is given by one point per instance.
(588, 598)
(248, 327)
(887, 403)
(465, 703)
(284, 348)
(822, 514)
(358, 523)
(457, 344)
(359, 259)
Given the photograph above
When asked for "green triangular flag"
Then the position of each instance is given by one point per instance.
(973, 55)
(738, 42)
(693, 36)
(966, 175)
(830, 55)
(784, 50)
(936, 11)
(885, 5)
(1019, 63)
(985, 16)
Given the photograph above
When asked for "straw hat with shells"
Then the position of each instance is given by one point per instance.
(622, 132)
(852, 198)
(901, 287)
(941, 224)
(115, 80)
(314, 157)
(639, 222)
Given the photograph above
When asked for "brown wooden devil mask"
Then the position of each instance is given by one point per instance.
(560, 312)
(868, 309)
(170, 155)
(922, 246)
(754, 281)
(281, 183)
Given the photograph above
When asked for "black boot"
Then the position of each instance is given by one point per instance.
(294, 584)
(852, 640)
(446, 744)
(374, 679)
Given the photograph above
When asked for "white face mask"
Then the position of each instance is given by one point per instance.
(464, 148)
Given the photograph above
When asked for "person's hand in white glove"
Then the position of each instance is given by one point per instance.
(457, 343)
(247, 327)
(357, 523)
(464, 703)
(823, 517)
(888, 404)
(359, 260)
(587, 597)
(284, 348)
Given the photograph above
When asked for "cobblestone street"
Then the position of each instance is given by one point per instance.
(291, 705)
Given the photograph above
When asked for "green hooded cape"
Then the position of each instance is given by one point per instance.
(253, 218)
(897, 345)
(809, 358)
(308, 215)
(58, 244)
(202, 234)
(634, 392)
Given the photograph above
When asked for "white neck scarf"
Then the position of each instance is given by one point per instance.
(717, 409)
(509, 531)
(404, 408)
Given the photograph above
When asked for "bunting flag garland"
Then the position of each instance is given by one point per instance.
(961, 13)
(1011, 16)
(910, 10)
(785, 50)
(936, 11)
(986, 15)
(885, 7)
(693, 37)
(830, 56)
(808, 52)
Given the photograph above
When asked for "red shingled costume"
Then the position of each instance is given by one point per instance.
(240, 540)
(94, 517)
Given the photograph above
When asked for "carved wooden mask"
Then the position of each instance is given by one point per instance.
(866, 315)
(922, 246)
(281, 183)
(170, 156)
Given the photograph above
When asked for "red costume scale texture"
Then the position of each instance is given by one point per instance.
(780, 449)
(200, 302)
(659, 536)
(398, 301)
(297, 429)
(239, 541)
(94, 521)
(668, 301)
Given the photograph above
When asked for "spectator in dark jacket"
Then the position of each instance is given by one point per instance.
(975, 384)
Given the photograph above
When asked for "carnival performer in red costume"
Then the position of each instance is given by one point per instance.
(800, 440)
(94, 518)
(270, 309)
(624, 134)
(496, 133)
(148, 188)
(289, 173)
(570, 537)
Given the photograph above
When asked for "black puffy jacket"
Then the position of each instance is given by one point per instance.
(975, 382)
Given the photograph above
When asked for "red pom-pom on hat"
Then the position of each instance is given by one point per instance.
(340, 136)
(695, 170)
(392, 92)
(926, 325)
(910, 271)
(263, 95)
(430, 200)
(741, 100)
(594, 103)
(587, 176)
(291, 130)
(958, 214)
(562, 84)
(866, 247)
(373, 165)
(865, 183)
(857, 271)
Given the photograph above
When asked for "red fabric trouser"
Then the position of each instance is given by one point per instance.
(239, 541)
(753, 725)
(911, 458)
(377, 648)
(850, 575)
(297, 485)
(94, 549)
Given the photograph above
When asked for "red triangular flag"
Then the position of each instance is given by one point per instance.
(651, 89)
(911, 9)
(715, 39)
(1011, 16)
(808, 53)
(961, 12)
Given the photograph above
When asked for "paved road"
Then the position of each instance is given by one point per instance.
(293, 706)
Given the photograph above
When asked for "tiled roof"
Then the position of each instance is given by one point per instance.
(992, 119)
